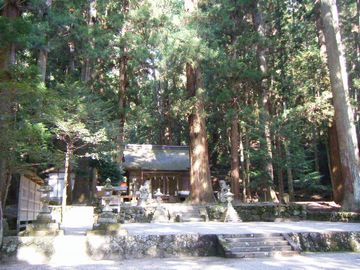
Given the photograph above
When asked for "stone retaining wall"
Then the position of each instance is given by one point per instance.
(139, 246)
(326, 242)
(247, 212)
(333, 216)
(260, 212)
(114, 247)
(16, 247)
(136, 214)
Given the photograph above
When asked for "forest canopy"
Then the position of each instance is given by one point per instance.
(248, 81)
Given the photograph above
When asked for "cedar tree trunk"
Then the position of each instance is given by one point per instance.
(235, 163)
(200, 182)
(348, 144)
(265, 103)
(335, 165)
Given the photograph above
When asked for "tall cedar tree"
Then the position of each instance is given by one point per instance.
(201, 190)
(262, 52)
(348, 144)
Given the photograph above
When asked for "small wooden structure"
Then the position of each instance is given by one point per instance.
(56, 181)
(165, 166)
(29, 204)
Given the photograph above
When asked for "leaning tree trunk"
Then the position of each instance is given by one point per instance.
(234, 149)
(348, 144)
(265, 103)
(66, 192)
(200, 182)
(333, 154)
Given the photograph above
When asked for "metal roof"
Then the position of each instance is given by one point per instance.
(156, 157)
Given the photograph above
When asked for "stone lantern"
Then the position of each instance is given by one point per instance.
(45, 214)
(158, 195)
(107, 222)
(229, 197)
(108, 189)
(230, 214)
(161, 214)
(107, 216)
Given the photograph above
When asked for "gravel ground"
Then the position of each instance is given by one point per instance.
(307, 261)
(238, 228)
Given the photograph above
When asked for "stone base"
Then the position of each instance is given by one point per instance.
(42, 229)
(107, 229)
(44, 217)
(231, 215)
(160, 215)
(107, 218)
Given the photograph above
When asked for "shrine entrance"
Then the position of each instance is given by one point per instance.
(171, 184)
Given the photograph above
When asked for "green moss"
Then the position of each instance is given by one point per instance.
(107, 229)
(333, 216)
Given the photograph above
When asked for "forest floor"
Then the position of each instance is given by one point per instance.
(321, 206)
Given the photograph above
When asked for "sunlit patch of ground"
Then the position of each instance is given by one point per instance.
(309, 261)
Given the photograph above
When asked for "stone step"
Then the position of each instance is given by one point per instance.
(265, 242)
(73, 210)
(259, 254)
(255, 245)
(81, 215)
(252, 235)
(257, 239)
(189, 214)
(77, 220)
(261, 248)
(192, 219)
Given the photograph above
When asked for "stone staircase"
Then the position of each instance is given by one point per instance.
(255, 245)
(77, 220)
(71, 247)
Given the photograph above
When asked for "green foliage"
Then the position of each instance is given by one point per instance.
(311, 183)
(109, 169)
(26, 141)
(158, 38)
(76, 117)
(14, 30)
